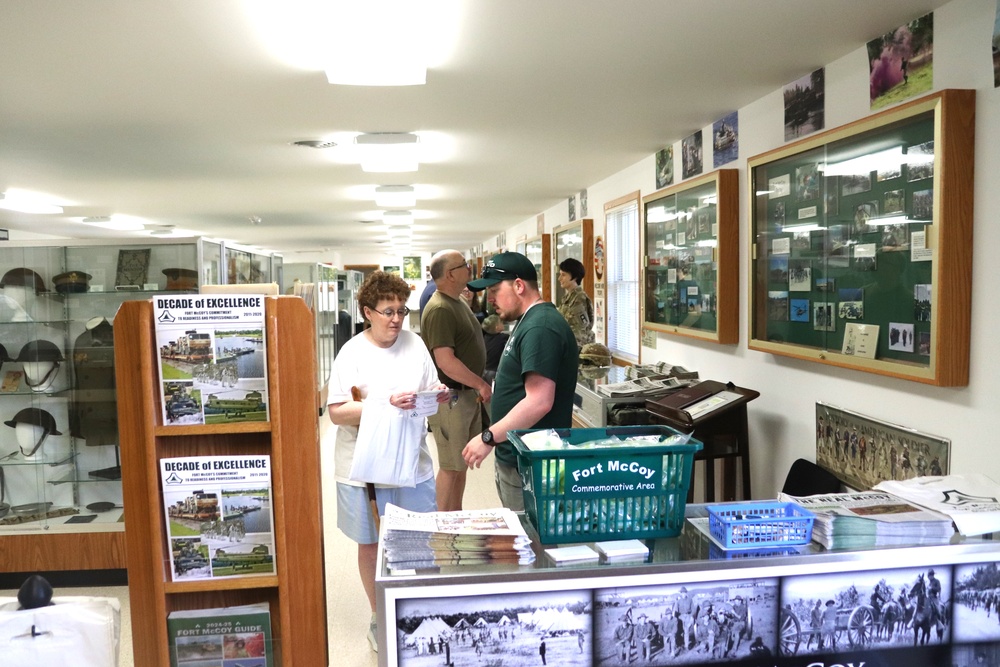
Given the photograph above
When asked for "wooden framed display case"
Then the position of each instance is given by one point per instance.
(861, 243)
(690, 237)
(539, 251)
(574, 240)
(58, 303)
(296, 594)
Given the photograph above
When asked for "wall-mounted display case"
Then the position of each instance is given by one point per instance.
(574, 240)
(690, 236)
(861, 243)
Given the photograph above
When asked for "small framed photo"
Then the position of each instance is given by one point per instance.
(824, 316)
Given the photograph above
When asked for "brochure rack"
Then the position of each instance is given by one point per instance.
(296, 594)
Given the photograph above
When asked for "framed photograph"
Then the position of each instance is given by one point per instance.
(664, 167)
(824, 316)
(692, 290)
(412, 268)
(800, 276)
(863, 451)
(804, 105)
(133, 267)
(691, 155)
(725, 140)
(871, 205)
(901, 336)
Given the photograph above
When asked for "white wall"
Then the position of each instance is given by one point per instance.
(782, 419)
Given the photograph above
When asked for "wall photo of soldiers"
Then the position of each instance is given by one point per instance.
(863, 451)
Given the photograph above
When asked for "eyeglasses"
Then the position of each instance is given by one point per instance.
(502, 274)
(389, 313)
(467, 265)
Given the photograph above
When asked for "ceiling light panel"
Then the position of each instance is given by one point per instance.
(395, 196)
(387, 151)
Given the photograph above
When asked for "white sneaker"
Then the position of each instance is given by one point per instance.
(373, 634)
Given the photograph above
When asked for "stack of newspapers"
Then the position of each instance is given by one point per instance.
(866, 519)
(417, 540)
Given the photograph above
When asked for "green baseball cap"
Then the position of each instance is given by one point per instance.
(505, 266)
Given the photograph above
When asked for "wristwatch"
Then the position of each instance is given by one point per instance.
(488, 438)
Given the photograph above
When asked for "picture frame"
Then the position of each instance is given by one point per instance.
(882, 456)
(690, 232)
(866, 235)
(133, 267)
(411, 268)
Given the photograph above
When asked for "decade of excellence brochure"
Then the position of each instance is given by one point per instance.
(217, 511)
(212, 358)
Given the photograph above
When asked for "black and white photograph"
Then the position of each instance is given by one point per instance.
(922, 303)
(704, 218)
(582, 196)
(831, 200)
(807, 182)
(976, 603)
(975, 655)
(725, 140)
(863, 451)
(836, 246)
(855, 611)
(777, 306)
(693, 623)
(924, 343)
(824, 316)
(855, 184)
(922, 205)
(553, 627)
(804, 105)
(571, 203)
(800, 276)
(691, 155)
(920, 161)
(779, 186)
(865, 257)
(901, 337)
(801, 241)
(664, 167)
(851, 310)
(778, 214)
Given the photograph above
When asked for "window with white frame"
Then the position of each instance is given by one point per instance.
(622, 229)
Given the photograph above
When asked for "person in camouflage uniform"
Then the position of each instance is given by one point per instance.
(576, 306)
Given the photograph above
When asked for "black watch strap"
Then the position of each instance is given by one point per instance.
(488, 438)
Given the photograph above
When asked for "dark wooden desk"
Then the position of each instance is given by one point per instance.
(722, 429)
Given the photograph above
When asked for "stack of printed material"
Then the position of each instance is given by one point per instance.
(415, 540)
(867, 519)
(970, 500)
(619, 551)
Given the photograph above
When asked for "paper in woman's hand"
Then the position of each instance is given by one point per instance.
(427, 404)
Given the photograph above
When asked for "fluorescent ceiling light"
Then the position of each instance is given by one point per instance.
(25, 202)
(378, 43)
(387, 151)
(395, 196)
(118, 223)
(805, 227)
(393, 218)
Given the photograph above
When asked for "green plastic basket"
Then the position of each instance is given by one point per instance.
(617, 492)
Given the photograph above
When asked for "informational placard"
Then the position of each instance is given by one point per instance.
(212, 358)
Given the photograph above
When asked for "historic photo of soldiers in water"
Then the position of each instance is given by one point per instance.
(719, 621)
(548, 628)
(862, 451)
(854, 611)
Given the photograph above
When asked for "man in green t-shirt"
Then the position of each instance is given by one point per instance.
(455, 340)
(536, 378)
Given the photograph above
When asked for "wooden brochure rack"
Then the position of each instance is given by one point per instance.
(296, 594)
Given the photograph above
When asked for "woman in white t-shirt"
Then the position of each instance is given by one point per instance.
(383, 362)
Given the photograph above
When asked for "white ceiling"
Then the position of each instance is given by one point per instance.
(172, 110)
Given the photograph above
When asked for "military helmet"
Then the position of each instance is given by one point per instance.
(22, 277)
(40, 350)
(3, 355)
(595, 354)
(35, 417)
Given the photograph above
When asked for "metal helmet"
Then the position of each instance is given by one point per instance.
(35, 417)
(40, 350)
(595, 354)
(22, 277)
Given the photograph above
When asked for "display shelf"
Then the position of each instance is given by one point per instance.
(296, 595)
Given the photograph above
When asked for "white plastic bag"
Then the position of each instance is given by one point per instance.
(81, 631)
(388, 445)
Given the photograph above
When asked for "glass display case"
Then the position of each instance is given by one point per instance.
(539, 251)
(690, 237)
(60, 468)
(246, 265)
(861, 243)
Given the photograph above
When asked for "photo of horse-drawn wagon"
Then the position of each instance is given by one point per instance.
(864, 610)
